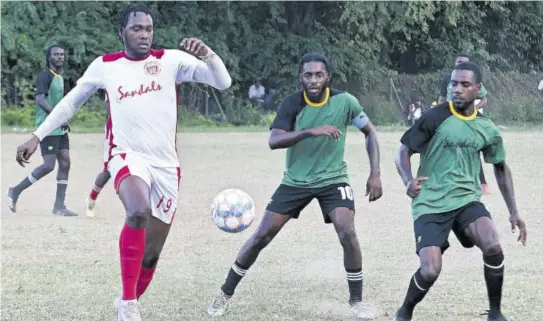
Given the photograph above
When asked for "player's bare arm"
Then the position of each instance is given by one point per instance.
(373, 187)
(280, 138)
(403, 166)
(42, 102)
(505, 183)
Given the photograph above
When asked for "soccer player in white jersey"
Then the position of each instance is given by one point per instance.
(141, 84)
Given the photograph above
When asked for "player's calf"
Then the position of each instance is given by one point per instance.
(343, 220)
(494, 267)
(246, 257)
(99, 183)
(422, 281)
(134, 193)
(157, 233)
(270, 225)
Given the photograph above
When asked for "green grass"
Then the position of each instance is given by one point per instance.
(228, 128)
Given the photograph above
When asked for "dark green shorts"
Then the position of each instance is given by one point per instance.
(289, 200)
(434, 229)
(51, 145)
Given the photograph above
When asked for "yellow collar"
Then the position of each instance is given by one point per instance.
(322, 103)
(54, 73)
(457, 114)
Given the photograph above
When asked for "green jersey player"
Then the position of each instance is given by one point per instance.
(446, 194)
(312, 125)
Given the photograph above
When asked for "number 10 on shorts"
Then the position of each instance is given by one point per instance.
(346, 192)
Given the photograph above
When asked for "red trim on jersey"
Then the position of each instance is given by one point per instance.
(110, 123)
(176, 116)
(121, 174)
(108, 104)
(114, 56)
(178, 183)
(108, 127)
(178, 177)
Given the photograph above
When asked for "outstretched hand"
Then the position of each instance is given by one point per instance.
(516, 221)
(195, 46)
(26, 150)
(374, 188)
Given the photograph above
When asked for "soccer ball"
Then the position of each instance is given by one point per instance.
(232, 210)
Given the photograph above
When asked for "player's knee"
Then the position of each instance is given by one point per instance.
(138, 216)
(150, 260)
(264, 238)
(347, 236)
(492, 248)
(64, 164)
(48, 168)
(430, 271)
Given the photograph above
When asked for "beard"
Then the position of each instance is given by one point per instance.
(315, 97)
(461, 104)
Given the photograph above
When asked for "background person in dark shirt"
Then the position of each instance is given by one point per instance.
(56, 146)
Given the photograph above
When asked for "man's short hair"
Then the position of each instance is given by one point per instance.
(473, 67)
(314, 56)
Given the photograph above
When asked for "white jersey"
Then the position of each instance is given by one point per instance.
(142, 97)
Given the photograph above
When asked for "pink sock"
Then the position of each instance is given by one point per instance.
(94, 193)
(131, 248)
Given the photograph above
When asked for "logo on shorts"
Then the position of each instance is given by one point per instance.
(50, 147)
(419, 239)
(152, 68)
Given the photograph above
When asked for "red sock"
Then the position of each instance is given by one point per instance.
(95, 191)
(146, 275)
(132, 248)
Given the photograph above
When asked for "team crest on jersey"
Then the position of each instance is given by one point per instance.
(152, 68)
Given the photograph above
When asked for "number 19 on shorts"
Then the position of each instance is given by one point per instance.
(346, 192)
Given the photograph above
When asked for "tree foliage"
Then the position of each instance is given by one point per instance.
(365, 41)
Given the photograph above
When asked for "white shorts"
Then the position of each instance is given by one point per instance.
(162, 181)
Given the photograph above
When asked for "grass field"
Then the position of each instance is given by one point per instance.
(57, 268)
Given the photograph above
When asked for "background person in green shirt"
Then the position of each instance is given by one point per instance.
(446, 196)
(312, 124)
(480, 103)
(56, 146)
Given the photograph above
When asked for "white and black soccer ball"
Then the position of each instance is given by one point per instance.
(232, 210)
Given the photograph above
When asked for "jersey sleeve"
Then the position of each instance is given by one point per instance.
(494, 152)
(482, 92)
(416, 137)
(86, 86)
(286, 116)
(44, 81)
(211, 70)
(355, 113)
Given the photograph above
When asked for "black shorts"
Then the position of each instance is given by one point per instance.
(434, 229)
(289, 200)
(51, 145)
